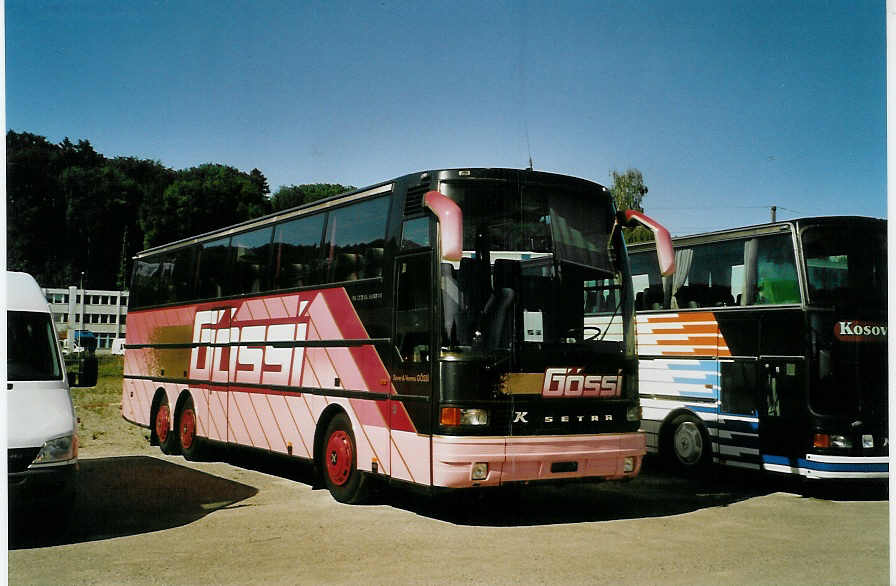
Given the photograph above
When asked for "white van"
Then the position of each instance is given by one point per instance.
(41, 424)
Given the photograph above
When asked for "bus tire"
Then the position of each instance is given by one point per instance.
(185, 424)
(339, 462)
(164, 436)
(686, 446)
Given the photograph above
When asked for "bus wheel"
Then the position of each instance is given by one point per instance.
(339, 462)
(166, 438)
(686, 445)
(190, 444)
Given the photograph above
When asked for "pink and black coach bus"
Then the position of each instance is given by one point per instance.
(767, 348)
(428, 329)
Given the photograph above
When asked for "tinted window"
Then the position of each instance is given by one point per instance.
(213, 269)
(251, 254)
(356, 236)
(144, 282)
(415, 233)
(297, 255)
(776, 280)
(177, 276)
(31, 347)
(846, 264)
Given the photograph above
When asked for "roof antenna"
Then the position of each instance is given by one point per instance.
(528, 146)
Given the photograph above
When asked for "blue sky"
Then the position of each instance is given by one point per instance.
(726, 107)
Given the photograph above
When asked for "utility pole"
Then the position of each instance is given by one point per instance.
(774, 213)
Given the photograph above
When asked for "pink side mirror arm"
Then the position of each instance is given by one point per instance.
(451, 224)
(664, 252)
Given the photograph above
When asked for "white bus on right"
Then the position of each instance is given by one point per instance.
(767, 348)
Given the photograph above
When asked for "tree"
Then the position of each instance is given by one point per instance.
(35, 207)
(294, 195)
(201, 199)
(628, 192)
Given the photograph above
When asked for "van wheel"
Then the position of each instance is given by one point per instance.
(190, 444)
(685, 445)
(339, 463)
(161, 424)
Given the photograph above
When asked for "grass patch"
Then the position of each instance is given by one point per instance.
(101, 429)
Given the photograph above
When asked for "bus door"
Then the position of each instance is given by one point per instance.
(781, 410)
(410, 409)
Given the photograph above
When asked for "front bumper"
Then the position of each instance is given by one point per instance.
(535, 458)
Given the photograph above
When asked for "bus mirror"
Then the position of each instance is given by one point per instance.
(451, 224)
(664, 251)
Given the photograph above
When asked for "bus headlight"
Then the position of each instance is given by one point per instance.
(60, 449)
(633, 413)
(839, 441)
(454, 416)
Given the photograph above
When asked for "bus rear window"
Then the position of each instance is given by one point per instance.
(31, 347)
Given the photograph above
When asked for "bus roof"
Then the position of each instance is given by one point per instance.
(756, 229)
(419, 177)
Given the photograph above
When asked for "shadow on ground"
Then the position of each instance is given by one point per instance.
(124, 496)
(654, 493)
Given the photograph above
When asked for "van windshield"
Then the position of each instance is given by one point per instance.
(31, 347)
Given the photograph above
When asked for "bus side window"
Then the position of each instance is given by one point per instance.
(703, 275)
(739, 385)
(770, 271)
(177, 276)
(213, 269)
(297, 258)
(356, 236)
(251, 255)
(776, 271)
(145, 281)
(646, 281)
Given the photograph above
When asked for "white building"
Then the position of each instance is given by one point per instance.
(102, 312)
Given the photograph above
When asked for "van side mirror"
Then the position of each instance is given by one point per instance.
(87, 373)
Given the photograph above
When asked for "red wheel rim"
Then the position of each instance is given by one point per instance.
(162, 416)
(187, 428)
(339, 457)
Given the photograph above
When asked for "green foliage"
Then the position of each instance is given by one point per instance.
(72, 210)
(628, 191)
(201, 199)
(295, 195)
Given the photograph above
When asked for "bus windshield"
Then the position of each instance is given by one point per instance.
(846, 264)
(571, 222)
(529, 245)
